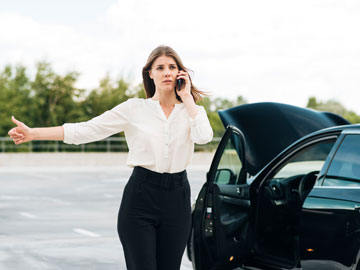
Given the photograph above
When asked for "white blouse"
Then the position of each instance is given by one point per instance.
(154, 142)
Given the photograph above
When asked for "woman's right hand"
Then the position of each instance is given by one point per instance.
(20, 133)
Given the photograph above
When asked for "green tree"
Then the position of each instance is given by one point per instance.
(312, 103)
(50, 99)
(105, 97)
(54, 97)
(334, 107)
(212, 106)
(15, 97)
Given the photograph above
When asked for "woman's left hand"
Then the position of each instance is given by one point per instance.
(185, 90)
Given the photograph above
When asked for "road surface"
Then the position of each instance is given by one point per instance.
(65, 218)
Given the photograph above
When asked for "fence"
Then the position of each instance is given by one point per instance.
(111, 144)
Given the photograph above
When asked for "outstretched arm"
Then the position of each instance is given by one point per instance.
(22, 133)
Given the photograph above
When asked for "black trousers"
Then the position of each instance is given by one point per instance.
(155, 219)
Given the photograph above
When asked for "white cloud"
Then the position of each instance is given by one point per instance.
(284, 51)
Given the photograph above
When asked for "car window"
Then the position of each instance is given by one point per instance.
(230, 165)
(309, 159)
(344, 169)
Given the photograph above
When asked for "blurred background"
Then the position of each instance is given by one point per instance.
(68, 61)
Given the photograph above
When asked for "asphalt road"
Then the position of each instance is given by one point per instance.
(66, 218)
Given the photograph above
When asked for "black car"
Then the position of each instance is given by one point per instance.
(282, 192)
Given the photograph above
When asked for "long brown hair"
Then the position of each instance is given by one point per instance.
(149, 85)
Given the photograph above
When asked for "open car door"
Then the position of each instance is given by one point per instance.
(221, 232)
(234, 223)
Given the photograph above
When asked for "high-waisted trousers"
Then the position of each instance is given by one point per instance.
(154, 219)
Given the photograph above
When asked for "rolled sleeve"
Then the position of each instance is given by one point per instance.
(69, 131)
(200, 128)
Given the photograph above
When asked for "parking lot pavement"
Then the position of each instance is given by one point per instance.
(55, 218)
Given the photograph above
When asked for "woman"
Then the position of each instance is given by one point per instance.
(155, 217)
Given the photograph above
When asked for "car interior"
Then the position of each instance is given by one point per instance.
(281, 198)
(279, 206)
(282, 194)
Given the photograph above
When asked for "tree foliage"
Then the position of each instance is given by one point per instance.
(54, 97)
(213, 105)
(50, 99)
(15, 97)
(334, 107)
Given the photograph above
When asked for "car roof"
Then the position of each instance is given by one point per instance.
(270, 127)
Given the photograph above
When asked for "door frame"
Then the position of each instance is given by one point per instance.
(204, 259)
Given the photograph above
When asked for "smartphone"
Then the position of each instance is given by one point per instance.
(179, 83)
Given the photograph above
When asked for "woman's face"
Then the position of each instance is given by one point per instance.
(164, 71)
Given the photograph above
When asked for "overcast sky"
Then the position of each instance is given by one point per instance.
(281, 50)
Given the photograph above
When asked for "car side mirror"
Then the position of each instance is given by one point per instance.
(224, 176)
